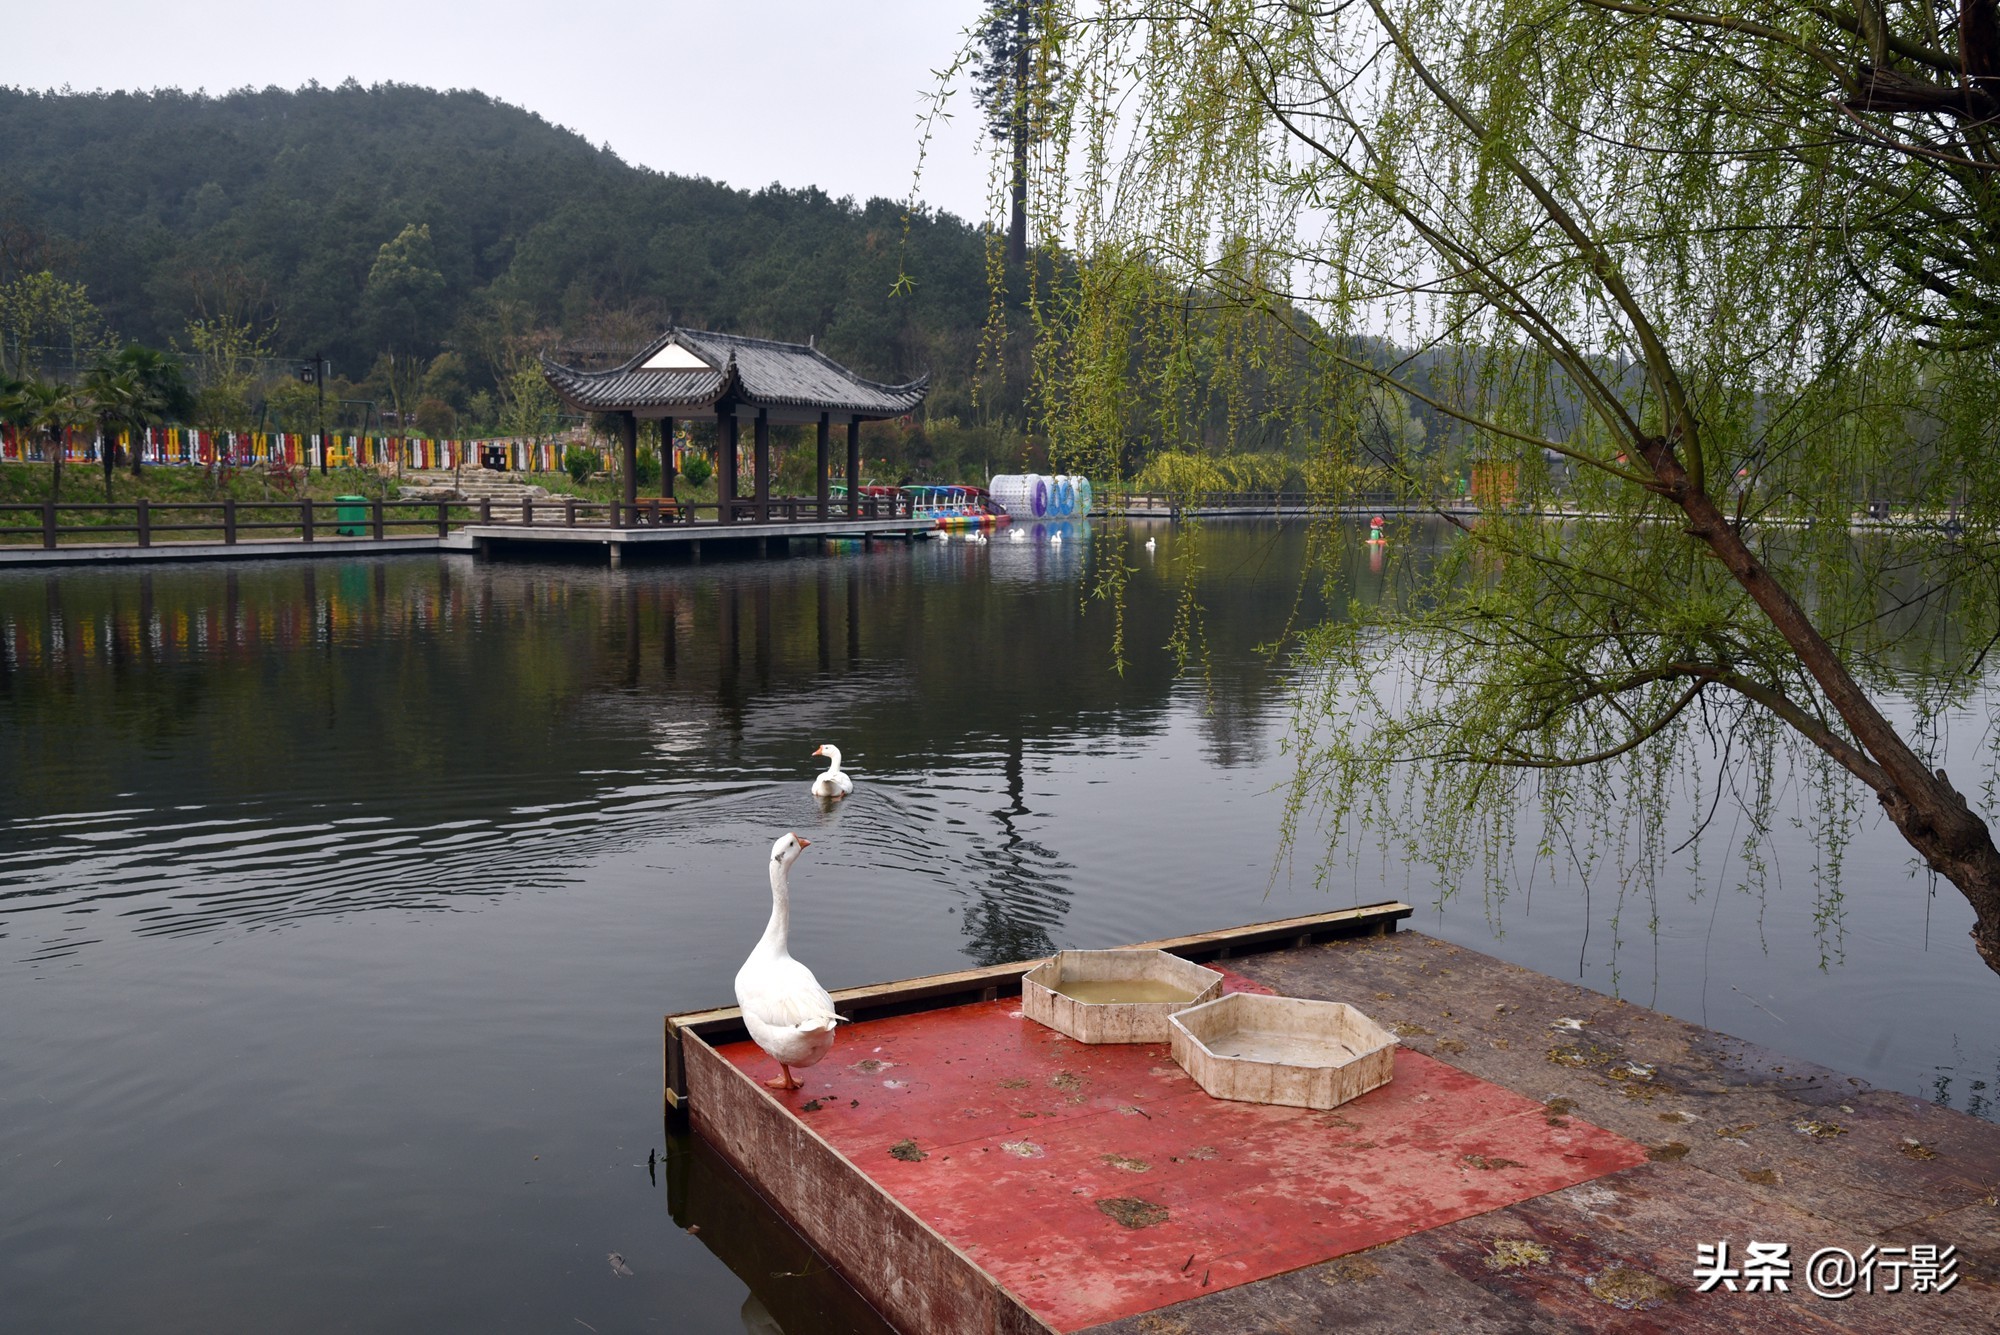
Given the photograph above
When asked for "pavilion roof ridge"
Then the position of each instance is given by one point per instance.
(809, 349)
(722, 368)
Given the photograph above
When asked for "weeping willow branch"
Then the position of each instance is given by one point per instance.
(1632, 270)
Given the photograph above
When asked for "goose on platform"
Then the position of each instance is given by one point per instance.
(834, 782)
(787, 1012)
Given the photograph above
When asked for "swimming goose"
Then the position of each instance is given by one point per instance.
(787, 1012)
(833, 783)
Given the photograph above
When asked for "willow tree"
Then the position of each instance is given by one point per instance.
(1707, 264)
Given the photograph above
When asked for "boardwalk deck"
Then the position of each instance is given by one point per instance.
(1548, 1159)
(495, 538)
(487, 539)
(269, 549)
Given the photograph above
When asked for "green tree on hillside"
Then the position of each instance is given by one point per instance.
(228, 353)
(403, 309)
(532, 410)
(47, 322)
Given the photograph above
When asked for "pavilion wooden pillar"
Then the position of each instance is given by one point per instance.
(666, 458)
(819, 463)
(725, 446)
(854, 468)
(763, 466)
(628, 441)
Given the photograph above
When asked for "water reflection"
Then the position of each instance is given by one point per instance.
(1013, 912)
(791, 1290)
(291, 741)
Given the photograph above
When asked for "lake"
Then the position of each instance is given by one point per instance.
(340, 900)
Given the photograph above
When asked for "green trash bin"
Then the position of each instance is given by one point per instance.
(352, 516)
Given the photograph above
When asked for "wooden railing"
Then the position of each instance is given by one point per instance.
(227, 521)
(653, 512)
(143, 523)
(1277, 500)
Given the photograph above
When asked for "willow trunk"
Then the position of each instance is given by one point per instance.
(1932, 816)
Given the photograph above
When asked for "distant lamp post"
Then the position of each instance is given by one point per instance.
(314, 373)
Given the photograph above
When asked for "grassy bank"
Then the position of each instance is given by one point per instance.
(83, 484)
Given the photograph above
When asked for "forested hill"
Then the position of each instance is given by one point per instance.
(275, 206)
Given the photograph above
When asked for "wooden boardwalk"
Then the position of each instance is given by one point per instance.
(695, 540)
(231, 532)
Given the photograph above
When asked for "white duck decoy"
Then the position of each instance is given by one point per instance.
(787, 1012)
(833, 783)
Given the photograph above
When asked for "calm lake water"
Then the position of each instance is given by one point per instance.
(340, 902)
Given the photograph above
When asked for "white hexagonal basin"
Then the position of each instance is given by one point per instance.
(1114, 996)
(1284, 1050)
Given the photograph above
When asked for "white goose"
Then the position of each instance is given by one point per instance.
(787, 1012)
(833, 783)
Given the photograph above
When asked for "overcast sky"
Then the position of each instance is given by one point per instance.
(802, 92)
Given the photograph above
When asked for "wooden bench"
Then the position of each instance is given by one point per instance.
(663, 510)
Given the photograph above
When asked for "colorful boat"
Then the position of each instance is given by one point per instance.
(955, 508)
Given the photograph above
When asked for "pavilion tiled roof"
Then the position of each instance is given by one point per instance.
(710, 367)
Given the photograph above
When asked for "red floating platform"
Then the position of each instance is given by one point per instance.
(1099, 1182)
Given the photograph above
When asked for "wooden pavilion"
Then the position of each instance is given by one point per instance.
(691, 373)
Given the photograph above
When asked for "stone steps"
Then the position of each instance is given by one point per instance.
(473, 484)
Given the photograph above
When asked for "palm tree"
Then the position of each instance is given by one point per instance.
(117, 397)
(51, 408)
(164, 396)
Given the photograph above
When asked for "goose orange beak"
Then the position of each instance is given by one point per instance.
(804, 843)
